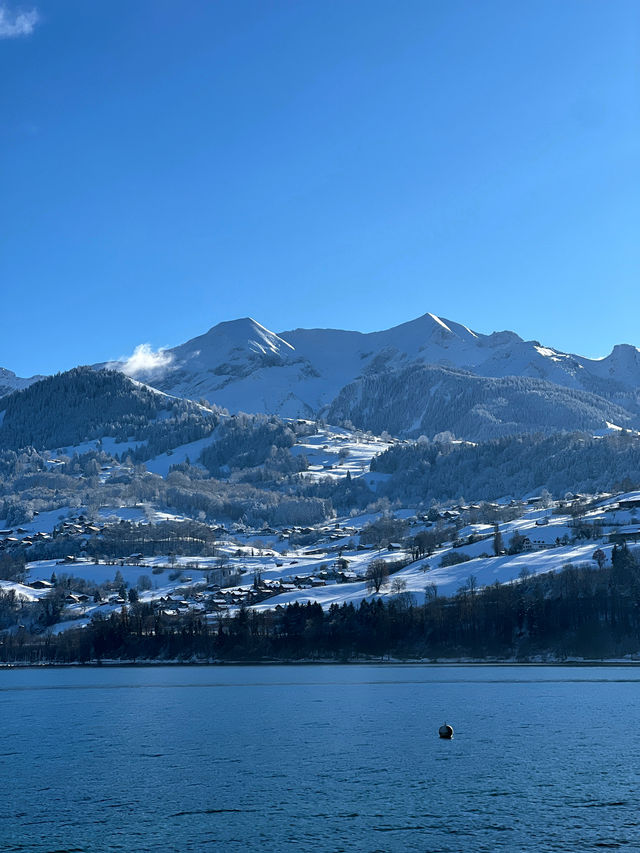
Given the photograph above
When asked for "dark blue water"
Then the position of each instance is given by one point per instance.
(322, 758)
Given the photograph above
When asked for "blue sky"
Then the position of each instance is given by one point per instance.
(168, 164)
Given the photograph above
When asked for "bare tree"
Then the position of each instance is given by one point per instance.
(377, 575)
(471, 585)
(398, 585)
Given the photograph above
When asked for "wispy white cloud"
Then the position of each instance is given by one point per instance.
(16, 24)
(144, 360)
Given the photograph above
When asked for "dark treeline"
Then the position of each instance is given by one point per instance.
(515, 466)
(580, 611)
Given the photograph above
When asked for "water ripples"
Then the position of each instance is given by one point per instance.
(324, 759)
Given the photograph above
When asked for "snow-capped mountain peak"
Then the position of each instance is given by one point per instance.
(244, 366)
(507, 384)
(233, 339)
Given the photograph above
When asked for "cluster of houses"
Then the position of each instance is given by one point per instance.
(214, 599)
(20, 537)
(11, 538)
(211, 599)
(78, 526)
(70, 597)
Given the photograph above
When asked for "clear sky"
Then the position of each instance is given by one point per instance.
(169, 164)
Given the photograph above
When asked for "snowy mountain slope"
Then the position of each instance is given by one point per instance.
(434, 340)
(84, 404)
(447, 580)
(9, 382)
(243, 366)
(426, 399)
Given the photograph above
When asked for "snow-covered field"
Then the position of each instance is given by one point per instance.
(334, 452)
(419, 576)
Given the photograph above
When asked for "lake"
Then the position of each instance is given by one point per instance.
(320, 758)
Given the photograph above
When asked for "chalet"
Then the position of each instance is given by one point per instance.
(347, 577)
(540, 545)
(41, 584)
(170, 613)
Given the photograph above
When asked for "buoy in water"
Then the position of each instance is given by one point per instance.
(445, 732)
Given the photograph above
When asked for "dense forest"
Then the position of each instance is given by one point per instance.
(433, 399)
(586, 612)
(84, 404)
(512, 466)
(251, 441)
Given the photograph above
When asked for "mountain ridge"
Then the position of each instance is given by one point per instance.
(243, 366)
(302, 372)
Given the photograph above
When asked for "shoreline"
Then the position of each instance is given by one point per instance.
(456, 662)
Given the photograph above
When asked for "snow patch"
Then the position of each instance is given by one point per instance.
(442, 323)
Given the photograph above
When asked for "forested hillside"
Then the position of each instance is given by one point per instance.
(429, 399)
(84, 404)
(512, 466)
(246, 441)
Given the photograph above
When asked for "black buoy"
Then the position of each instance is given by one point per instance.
(445, 732)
